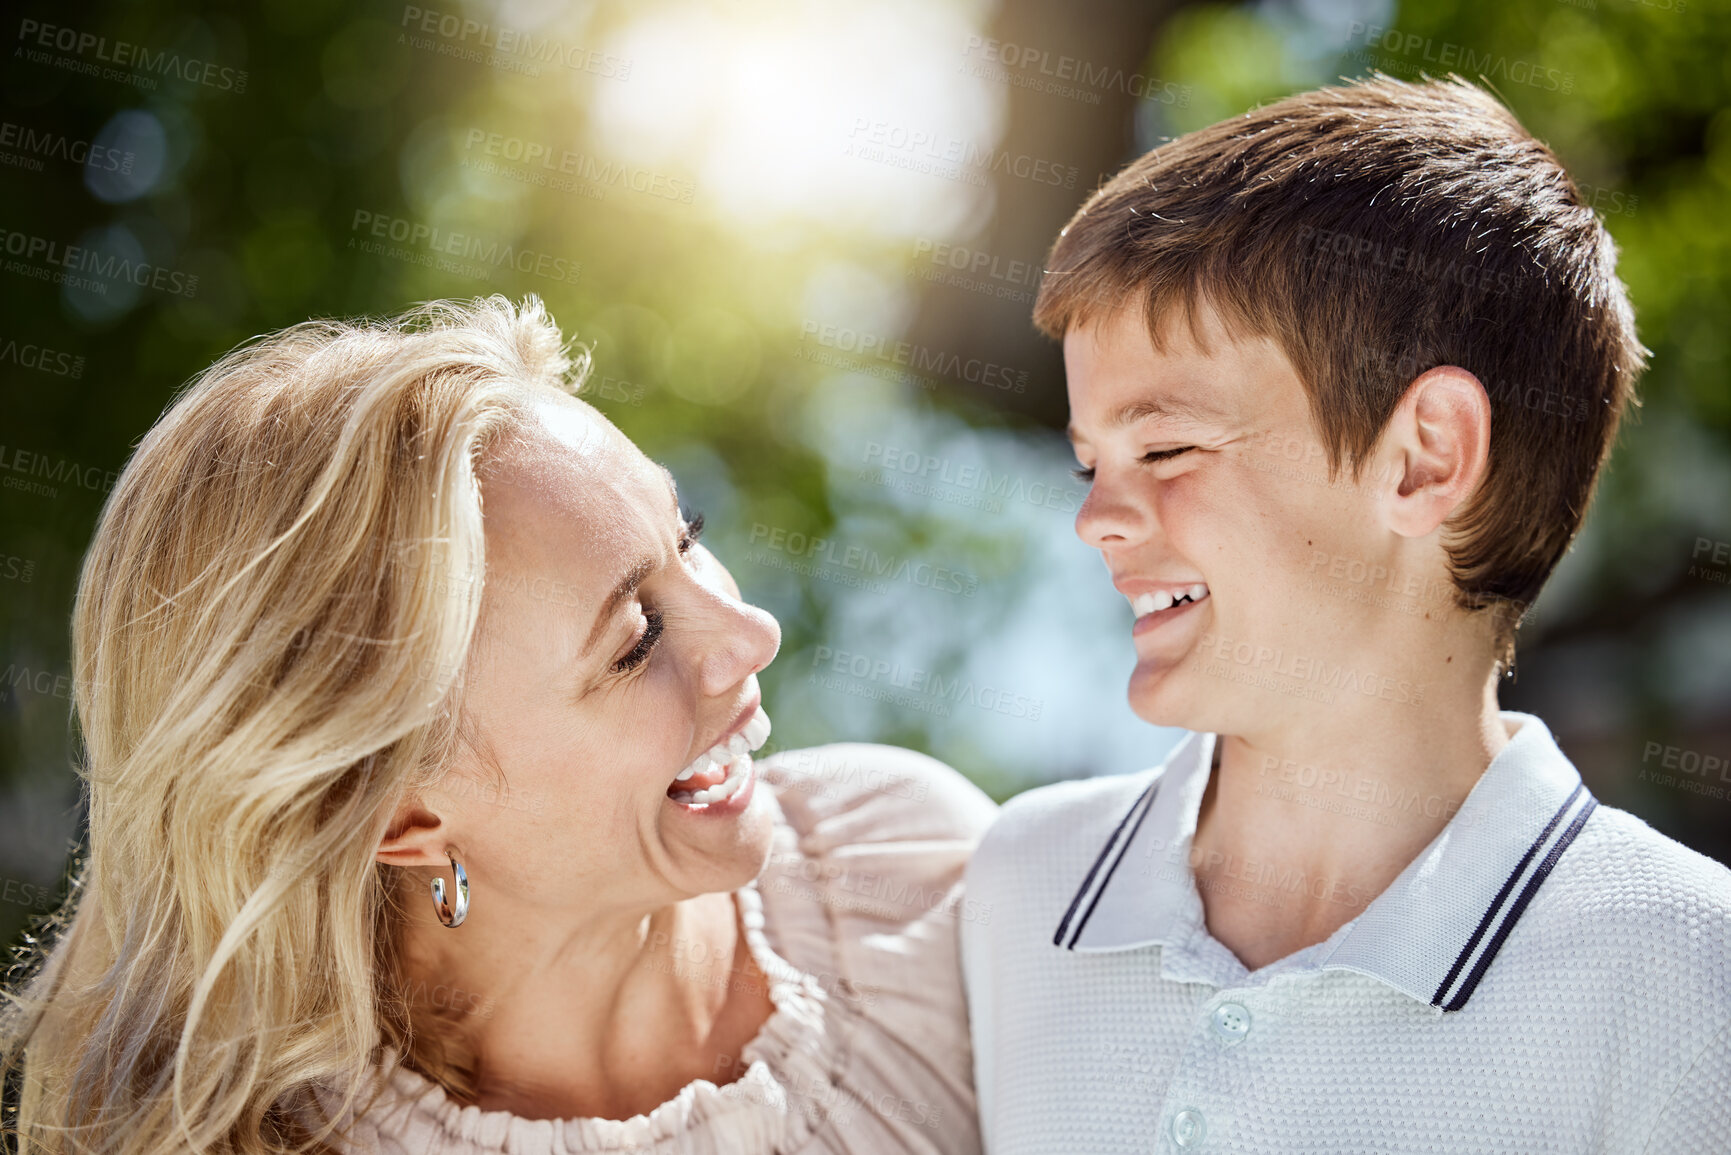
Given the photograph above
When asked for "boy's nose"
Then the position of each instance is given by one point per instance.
(1109, 517)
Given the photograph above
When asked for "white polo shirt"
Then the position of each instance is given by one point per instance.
(1547, 975)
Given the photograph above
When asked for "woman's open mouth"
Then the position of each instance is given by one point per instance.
(722, 771)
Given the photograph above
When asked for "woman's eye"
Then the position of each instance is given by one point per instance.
(1083, 474)
(690, 532)
(640, 652)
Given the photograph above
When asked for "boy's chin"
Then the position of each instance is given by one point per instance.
(1163, 697)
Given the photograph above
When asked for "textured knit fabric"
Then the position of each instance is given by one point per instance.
(853, 921)
(1548, 975)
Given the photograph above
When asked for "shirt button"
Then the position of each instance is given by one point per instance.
(1189, 1128)
(1231, 1021)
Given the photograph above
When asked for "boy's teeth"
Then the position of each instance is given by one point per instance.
(1144, 604)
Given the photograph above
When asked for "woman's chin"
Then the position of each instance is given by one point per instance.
(733, 842)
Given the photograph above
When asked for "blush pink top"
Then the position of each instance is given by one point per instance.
(854, 921)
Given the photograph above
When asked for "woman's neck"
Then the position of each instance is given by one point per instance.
(607, 1018)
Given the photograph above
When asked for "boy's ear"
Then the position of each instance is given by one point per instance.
(416, 837)
(1435, 450)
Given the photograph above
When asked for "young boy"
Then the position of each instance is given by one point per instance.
(1342, 372)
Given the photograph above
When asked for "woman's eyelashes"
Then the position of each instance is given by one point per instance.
(690, 531)
(639, 653)
(1153, 456)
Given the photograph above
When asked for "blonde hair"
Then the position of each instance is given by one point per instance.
(268, 640)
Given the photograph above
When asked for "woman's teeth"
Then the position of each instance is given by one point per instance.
(1145, 604)
(731, 759)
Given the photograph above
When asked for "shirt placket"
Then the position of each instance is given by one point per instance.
(1200, 1107)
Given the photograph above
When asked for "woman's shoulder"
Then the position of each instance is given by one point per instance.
(864, 876)
(863, 893)
(874, 841)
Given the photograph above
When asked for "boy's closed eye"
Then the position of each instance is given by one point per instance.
(1151, 457)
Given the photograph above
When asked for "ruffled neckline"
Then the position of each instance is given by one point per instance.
(784, 1094)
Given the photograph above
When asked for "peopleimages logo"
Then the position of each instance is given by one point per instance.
(975, 271)
(1711, 561)
(1398, 261)
(28, 355)
(951, 157)
(30, 466)
(524, 47)
(122, 54)
(46, 683)
(863, 560)
(865, 346)
(440, 242)
(34, 145)
(1301, 669)
(868, 669)
(543, 161)
(920, 471)
(1038, 69)
(71, 260)
(1460, 57)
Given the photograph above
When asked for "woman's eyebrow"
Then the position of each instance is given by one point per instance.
(627, 586)
(633, 577)
(672, 487)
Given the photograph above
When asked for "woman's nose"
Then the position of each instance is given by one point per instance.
(745, 642)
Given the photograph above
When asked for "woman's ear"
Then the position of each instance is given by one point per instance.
(416, 837)
(1435, 450)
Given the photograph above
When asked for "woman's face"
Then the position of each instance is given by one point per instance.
(613, 652)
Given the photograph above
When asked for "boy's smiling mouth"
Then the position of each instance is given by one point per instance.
(1156, 603)
(1153, 602)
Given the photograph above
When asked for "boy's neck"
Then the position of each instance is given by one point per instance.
(1345, 810)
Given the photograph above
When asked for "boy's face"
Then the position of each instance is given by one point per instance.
(1209, 481)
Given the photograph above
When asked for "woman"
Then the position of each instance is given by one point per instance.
(385, 857)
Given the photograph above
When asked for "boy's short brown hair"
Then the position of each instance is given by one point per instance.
(1375, 230)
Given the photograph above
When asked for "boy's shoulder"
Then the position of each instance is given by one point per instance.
(1623, 881)
(1634, 930)
(1052, 832)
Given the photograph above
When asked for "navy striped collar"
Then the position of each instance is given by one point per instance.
(1433, 934)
